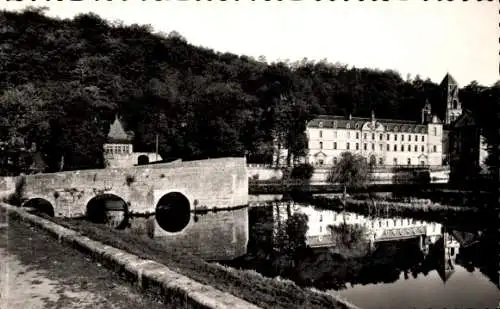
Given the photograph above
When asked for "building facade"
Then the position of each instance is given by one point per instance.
(383, 142)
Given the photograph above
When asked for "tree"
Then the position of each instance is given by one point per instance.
(302, 171)
(351, 172)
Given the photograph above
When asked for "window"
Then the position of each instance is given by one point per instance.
(422, 163)
(320, 218)
(381, 147)
(348, 125)
(381, 136)
(365, 136)
(409, 148)
(409, 161)
(402, 147)
(320, 229)
(357, 146)
(348, 135)
(434, 148)
(357, 135)
(373, 146)
(423, 148)
(335, 134)
(416, 138)
(423, 137)
(395, 147)
(320, 134)
(335, 123)
(381, 161)
(320, 161)
(373, 136)
(395, 160)
(334, 145)
(347, 146)
(334, 160)
(416, 148)
(364, 146)
(402, 137)
(435, 131)
(320, 145)
(409, 137)
(388, 147)
(395, 137)
(388, 136)
(321, 124)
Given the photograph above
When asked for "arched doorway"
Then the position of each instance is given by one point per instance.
(40, 206)
(143, 160)
(373, 161)
(173, 212)
(108, 209)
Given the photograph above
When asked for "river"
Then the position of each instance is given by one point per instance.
(376, 262)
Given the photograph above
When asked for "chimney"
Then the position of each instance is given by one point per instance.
(350, 116)
(373, 115)
(423, 116)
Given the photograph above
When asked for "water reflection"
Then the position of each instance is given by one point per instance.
(363, 258)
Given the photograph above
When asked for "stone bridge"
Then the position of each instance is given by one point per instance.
(200, 205)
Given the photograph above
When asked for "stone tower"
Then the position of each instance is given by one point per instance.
(453, 107)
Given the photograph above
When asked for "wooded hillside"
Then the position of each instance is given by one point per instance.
(63, 81)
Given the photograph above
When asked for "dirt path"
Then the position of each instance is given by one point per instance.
(37, 272)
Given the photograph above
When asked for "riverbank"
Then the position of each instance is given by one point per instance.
(247, 285)
(280, 187)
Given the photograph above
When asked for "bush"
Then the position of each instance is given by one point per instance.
(302, 171)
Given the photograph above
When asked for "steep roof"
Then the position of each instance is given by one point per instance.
(356, 123)
(117, 133)
(448, 80)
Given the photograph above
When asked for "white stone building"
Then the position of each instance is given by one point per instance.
(383, 142)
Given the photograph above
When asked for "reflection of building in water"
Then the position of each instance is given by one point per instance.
(447, 248)
(378, 229)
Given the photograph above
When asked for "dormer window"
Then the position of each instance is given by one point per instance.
(335, 123)
(357, 126)
(348, 125)
(320, 124)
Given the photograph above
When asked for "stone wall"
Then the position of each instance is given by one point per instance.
(128, 159)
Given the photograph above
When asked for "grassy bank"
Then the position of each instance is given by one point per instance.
(248, 285)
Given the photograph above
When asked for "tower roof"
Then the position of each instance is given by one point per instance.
(117, 133)
(448, 80)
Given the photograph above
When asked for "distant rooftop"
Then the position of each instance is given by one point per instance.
(356, 123)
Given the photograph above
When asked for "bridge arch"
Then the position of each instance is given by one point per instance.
(109, 209)
(173, 212)
(40, 205)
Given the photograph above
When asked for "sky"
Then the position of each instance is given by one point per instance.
(411, 37)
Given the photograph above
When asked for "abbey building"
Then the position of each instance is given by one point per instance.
(387, 142)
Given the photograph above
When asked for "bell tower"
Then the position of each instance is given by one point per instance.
(453, 107)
